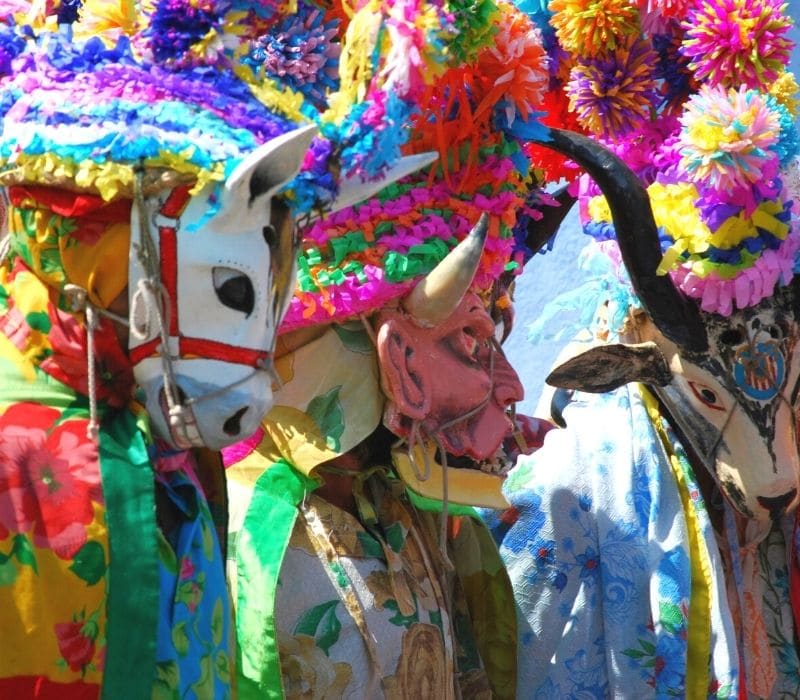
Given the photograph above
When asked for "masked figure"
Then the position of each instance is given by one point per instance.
(149, 198)
(358, 564)
(395, 600)
(652, 541)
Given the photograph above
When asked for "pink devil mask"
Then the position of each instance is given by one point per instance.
(448, 384)
(452, 380)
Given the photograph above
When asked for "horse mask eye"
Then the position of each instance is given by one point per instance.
(234, 289)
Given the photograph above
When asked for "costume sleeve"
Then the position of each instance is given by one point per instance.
(490, 604)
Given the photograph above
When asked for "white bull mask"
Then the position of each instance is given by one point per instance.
(213, 296)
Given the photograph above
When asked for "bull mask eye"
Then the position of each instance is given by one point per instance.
(234, 289)
(706, 396)
(776, 332)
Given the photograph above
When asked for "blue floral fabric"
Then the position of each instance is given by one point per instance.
(596, 547)
(190, 663)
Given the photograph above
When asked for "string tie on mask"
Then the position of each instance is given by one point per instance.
(78, 300)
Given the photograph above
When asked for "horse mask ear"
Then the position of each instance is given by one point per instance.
(261, 174)
(353, 190)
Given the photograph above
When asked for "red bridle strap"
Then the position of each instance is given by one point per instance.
(172, 208)
(202, 348)
(188, 348)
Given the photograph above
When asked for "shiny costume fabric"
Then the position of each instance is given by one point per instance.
(618, 572)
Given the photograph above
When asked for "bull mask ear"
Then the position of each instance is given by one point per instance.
(263, 172)
(437, 295)
(607, 367)
(404, 373)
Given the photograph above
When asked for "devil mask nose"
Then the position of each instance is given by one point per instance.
(776, 505)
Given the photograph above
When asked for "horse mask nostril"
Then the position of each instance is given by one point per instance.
(233, 426)
(777, 505)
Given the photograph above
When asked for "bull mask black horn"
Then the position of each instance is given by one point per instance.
(675, 315)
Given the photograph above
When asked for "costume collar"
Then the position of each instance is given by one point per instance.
(468, 487)
(329, 401)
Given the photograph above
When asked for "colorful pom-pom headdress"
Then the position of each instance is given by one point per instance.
(185, 89)
(697, 99)
(476, 114)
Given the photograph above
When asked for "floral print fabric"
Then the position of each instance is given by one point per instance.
(373, 620)
(597, 545)
(312, 585)
(337, 606)
(51, 529)
(193, 646)
(52, 511)
(761, 590)
(79, 545)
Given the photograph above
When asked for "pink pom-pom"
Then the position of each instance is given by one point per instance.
(733, 42)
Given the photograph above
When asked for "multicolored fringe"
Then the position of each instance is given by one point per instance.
(477, 116)
(89, 92)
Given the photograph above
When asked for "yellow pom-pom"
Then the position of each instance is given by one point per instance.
(599, 210)
(268, 92)
(784, 90)
(593, 27)
(674, 210)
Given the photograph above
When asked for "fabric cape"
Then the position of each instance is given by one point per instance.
(111, 575)
(618, 572)
(258, 552)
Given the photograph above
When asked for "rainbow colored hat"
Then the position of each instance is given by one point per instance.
(477, 114)
(89, 91)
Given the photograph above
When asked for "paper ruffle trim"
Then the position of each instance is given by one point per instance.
(721, 296)
(735, 266)
(89, 92)
(361, 258)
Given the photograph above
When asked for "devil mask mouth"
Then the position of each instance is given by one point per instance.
(498, 464)
(477, 484)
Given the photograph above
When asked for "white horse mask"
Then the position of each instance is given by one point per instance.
(213, 297)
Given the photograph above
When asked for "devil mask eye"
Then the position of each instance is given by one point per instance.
(234, 289)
